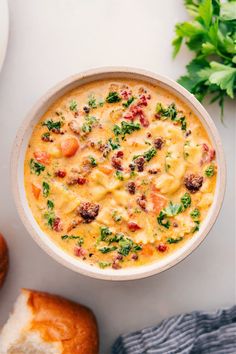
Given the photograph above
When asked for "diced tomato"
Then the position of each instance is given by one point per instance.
(42, 157)
(69, 147)
(60, 173)
(36, 191)
(147, 250)
(158, 200)
(133, 226)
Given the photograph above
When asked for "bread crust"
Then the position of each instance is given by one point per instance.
(60, 320)
(4, 260)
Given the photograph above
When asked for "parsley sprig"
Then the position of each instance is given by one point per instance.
(211, 35)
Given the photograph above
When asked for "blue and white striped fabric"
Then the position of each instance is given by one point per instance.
(193, 333)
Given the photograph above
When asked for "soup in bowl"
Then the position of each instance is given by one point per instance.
(119, 172)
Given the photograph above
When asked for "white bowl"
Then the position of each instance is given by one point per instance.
(17, 169)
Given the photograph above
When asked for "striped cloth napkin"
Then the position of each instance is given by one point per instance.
(193, 333)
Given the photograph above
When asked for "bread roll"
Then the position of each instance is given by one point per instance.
(3, 260)
(42, 323)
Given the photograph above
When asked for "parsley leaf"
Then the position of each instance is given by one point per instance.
(211, 35)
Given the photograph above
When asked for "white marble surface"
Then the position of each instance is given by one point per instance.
(50, 40)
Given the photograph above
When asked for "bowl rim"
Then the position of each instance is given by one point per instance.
(116, 72)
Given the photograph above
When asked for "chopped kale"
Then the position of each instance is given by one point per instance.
(210, 171)
(106, 249)
(195, 214)
(93, 161)
(186, 200)
(92, 101)
(50, 205)
(36, 167)
(128, 102)
(90, 122)
(163, 220)
(126, 128)
(119, 175)
(173, 209)
(73, 106)
(46, 189)
(104, 233)
(114, 144)
(104, 264)
(171, 240)
(148, 155)
(51, 125)
(113, 97)
(79, 239)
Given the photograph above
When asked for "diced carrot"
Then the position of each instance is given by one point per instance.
(42, 157)
(69, 147)
(106, 169)
(158, 200)
(36, 190)
(147, 250)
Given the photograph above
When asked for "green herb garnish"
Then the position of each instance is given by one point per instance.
(113, 97)
(36, 167)
(196, 227)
